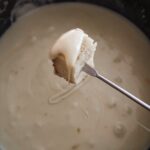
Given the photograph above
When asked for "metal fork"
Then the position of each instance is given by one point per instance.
(92, 72)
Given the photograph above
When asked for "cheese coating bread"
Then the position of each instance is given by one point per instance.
(70, 53)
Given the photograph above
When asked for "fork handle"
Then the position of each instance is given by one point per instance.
(123, 91)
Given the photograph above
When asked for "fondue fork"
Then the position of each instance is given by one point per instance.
(92, 72)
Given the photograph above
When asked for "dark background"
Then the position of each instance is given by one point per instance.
(138, 11)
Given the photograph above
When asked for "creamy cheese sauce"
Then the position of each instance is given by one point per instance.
(40, 111)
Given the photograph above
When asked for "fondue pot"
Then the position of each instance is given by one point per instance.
(41, 111)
